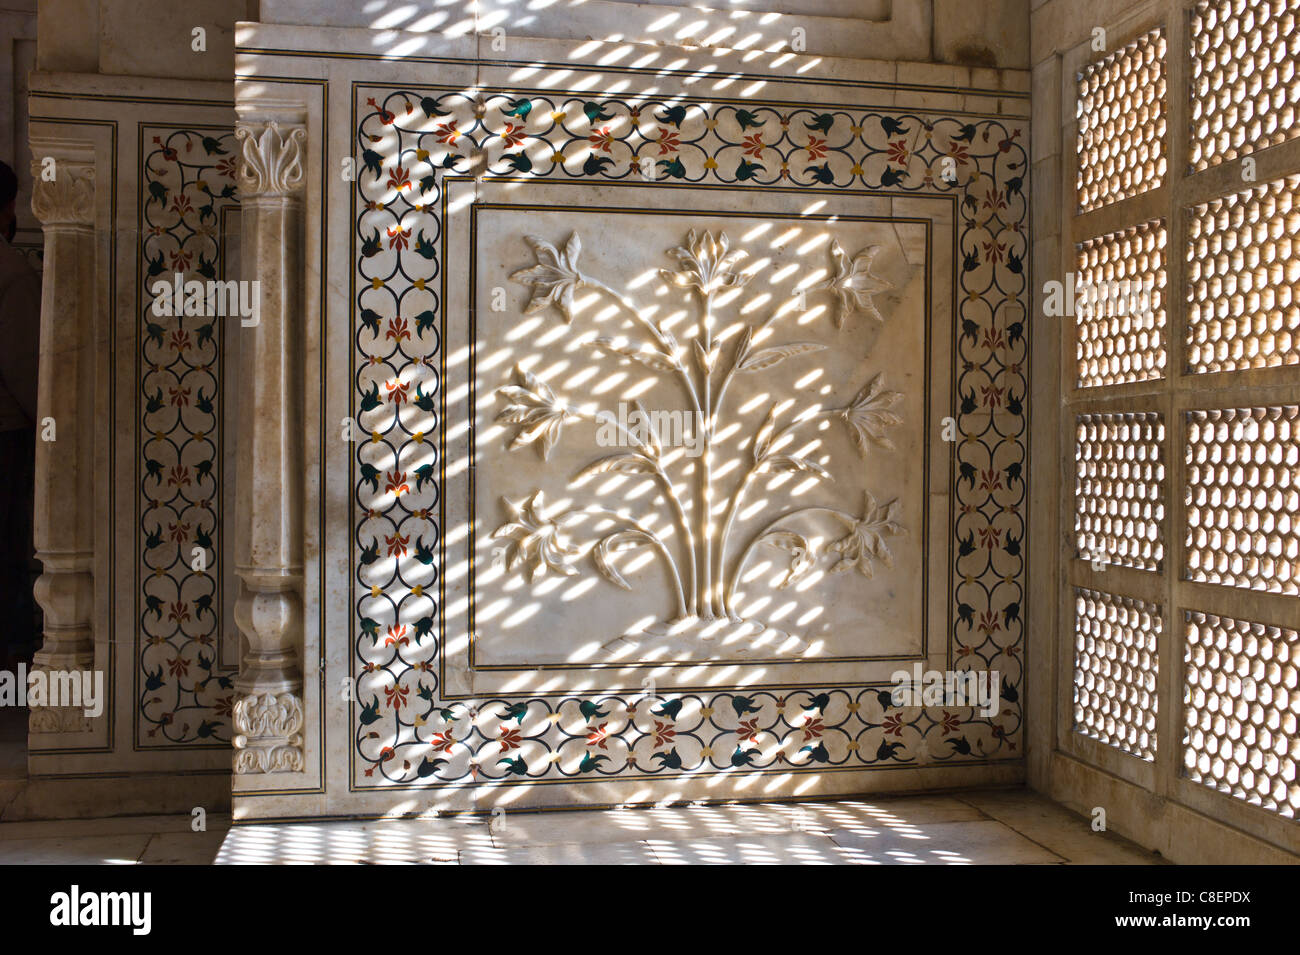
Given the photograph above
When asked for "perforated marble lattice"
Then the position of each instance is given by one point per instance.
(1243, 468)
(1119, 494)
(1120, 313)
(1243, 279)
(1244, 90)
(1241, 709)
(1115, 670)
(1121, 115)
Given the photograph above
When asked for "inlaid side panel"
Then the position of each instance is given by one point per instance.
(546, 591)
(186, 657)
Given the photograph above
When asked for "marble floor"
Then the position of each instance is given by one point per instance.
(968, 828)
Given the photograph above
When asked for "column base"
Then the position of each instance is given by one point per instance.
(269, 728)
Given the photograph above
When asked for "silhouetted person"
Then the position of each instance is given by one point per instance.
(20, 322)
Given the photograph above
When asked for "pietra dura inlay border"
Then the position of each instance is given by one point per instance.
(407, 735)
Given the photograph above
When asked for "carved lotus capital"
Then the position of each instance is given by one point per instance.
(271, 159)
(66, 199)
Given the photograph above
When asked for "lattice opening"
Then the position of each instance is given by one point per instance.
(1116, 670)
(1243, 78)
(1243, 279)
(1243, 471)
(1119, 494)
(1242, 706)
(1120, 306)
(1121, 115)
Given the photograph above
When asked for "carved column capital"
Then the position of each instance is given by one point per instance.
(271, 159)
(66, 200)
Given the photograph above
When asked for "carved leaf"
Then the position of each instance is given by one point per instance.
(742, 348)
(765, 358)
(707, 359)
(626, 463)
(653, 444)
(573, 248)
(670, 340)
(796, 545)
(788, 462)
(764, 437)
(646, 356)
(611, 544)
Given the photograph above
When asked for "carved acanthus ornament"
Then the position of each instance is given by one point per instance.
(271, 159)
(68, 199)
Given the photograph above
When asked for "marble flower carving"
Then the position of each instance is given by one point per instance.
(270, 159)
(536, 542)
(555, 277)
(854, 284)
(703, 559)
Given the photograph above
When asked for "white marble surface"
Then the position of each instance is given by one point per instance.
(123, 840)
(1013, 826)
(981, 828)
